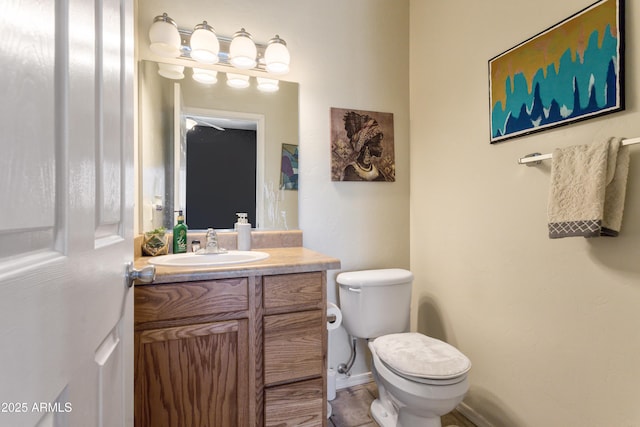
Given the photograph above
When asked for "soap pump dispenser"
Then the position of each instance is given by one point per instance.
(244, 232)
(180, 235)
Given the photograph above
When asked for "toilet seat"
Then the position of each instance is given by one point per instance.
(421, 359)
(426, 381)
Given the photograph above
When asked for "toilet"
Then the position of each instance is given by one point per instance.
(419, 378)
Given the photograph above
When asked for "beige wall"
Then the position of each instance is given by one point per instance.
(551, 326)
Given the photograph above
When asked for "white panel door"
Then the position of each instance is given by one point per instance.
(66, 187)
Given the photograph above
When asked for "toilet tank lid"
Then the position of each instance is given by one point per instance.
(381, 277)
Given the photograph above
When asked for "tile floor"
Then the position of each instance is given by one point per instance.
(350, 408)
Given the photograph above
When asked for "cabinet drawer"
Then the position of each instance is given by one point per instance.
(293, 346)
(165, 302)
(300, 404)
(303, 290)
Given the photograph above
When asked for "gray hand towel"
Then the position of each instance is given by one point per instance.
(588, 187)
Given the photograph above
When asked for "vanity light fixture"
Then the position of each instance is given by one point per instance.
(239, 81)
(267, 85)
(205, 76)
(276, 56)
(204, 44)
(164, 37)
(243, 51)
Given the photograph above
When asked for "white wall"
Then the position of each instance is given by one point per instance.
(551, 326)
(346, 54)
(352, 54)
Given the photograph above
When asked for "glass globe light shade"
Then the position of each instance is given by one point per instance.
(171, 71)
(277, 57)
(239, 81)
(243, 51)
(267, 85)
(164, 37)
(203, 76)
(204, 44)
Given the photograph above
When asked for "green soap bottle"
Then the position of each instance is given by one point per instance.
(180, 235)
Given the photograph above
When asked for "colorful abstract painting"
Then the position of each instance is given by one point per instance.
(289, 167)
(572, 71)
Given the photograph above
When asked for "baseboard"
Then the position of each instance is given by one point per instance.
(473, 416)
(349, 381)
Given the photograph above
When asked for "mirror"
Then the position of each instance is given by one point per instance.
(164, 105)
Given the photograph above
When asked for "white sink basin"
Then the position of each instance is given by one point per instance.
(208, 260)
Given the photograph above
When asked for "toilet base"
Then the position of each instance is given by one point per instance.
(386, 418)
(383, 417)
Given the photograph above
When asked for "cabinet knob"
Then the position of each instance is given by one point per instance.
(144, 275)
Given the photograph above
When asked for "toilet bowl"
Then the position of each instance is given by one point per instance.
(413, 400)
(419, 378)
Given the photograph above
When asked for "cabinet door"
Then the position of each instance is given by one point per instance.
(296, 405)
(195, 375)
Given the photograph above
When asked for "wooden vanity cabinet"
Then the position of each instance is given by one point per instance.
(193, 354)
(245, 351)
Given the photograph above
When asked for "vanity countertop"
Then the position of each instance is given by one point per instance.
(281, 261)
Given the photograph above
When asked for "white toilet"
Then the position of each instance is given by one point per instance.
(419, 378)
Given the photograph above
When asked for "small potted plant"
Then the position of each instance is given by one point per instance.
(155, 242)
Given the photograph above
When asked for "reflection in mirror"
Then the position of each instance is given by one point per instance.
(229, 186)
(168, 184)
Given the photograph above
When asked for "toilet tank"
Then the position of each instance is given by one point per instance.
(375, 302)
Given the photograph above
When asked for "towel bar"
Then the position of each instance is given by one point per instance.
(536, 158)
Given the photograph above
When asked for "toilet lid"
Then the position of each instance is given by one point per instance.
(417, 355)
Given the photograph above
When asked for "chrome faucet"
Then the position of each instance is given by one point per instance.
(212, 246)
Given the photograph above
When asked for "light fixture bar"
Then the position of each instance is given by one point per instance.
(225, 42)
